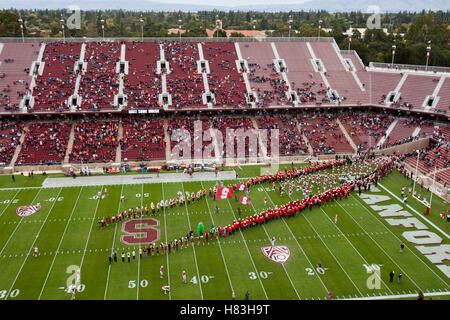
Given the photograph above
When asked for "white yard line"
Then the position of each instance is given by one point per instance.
(390, 231)
(193, 246)
(284, 268)
(112, 248)
(220, 246)
(139, 257)
(59, 245)
(351, 244)
(3, 211)
(165, 231)
(304, 253)
(12, 234)
(90, 230)
(410, 278)
(337, 261)
(250, 255)
(32, 245)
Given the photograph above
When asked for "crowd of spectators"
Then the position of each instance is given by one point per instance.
(95, 141)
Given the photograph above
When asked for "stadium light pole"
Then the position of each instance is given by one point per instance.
(320, 27)
(254, 29)
(393, 55)
(103, 29)
(350, 36)
(62, 27)
(217, 26)
(142, 29)
(21, 29)
(428, 54)
(290, 26)
(179, 28)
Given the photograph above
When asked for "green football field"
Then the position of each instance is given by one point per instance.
(361, 247)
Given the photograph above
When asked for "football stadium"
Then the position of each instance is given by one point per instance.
(204, 153)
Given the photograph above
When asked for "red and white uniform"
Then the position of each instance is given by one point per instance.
(35, 253)
(335, 218)
(184, 276)
(272, 241)
(161, 271)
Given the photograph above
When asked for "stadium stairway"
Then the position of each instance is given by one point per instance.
(261, 146)
(214, 141)
(310, 149)
(167, 140)
(19, 146)
(349, 139)
(119, 138)
(387, 133)
(70, 142)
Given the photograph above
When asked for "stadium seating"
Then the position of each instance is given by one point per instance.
(10, 132)
(402, 132)
(339, 79)
(142, 84)
(45, 143)
(100, 82)
(415, 89)
(188, 124)
(324, 134)
(222, 123)
(290, 141)
(184, 83)
(303, 79)
(366, 129)
(142, 139)
(16, 59)
(94, 141)
(57, 81)
(444, 97)
(264, 78)
(224, 80)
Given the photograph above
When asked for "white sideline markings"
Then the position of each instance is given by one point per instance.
(398, 296)
(32, 245)
(193, 247)
(415, 211)
(363, 204)
(378, 276)
(59, 245)
(390, 258)
(218, 241)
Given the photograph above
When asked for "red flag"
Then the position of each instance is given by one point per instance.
(244, 200)
(224, 193)
(241, 186)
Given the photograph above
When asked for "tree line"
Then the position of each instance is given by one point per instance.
(411, 32)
